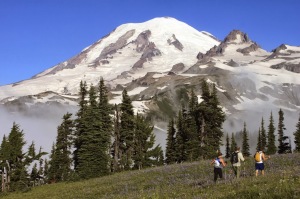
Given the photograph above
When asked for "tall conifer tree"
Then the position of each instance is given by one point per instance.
(80, 123)
(61, 162)
(170, 145)
(203, 118)
(271, 147)
(126, 130)
(18, 173)
(116, 150)
(297, 136)
(181, 153)
(191, 123)
(4, 152)
(245, 143)
(263, 135)
(93, 157)
(233, 144)
(259, 145)
(144, 154)
(281, 128)
(212, 118)
(105, 109)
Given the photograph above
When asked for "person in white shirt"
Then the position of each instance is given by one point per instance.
(236, 166)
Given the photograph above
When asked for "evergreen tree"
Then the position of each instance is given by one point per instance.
(297, 136)
(203, 118)
(80, 121)
(105, 109)
(144, 155)
(50, 172)
(4, 152)
(227, 149)
(245, 144)
(192, 131)
(259, 145)
(271, 147)
(160, 160)
(46, 170)
(126, 131)
(195, 127)
(263, 136)
(170, 145)
(32, 155)
(181, 151)
(156, 156)
(193, 102)
(60, 163)
(31, 150)
(93, 157)
(41, 166)
(34, 173)
(281, 128)
(212, 117)
(233, 144)
(18, 173)
(116, 147)
(218, 116)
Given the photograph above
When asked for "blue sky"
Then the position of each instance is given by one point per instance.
(38, 34)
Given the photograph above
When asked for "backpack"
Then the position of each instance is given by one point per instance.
(257, 157)
(234, 158)
(217, 162)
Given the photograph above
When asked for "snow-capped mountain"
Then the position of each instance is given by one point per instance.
(127, 53)
(159, 61)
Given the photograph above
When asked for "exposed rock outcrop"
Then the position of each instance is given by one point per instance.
(149, 51)
(175, 42)
(281, 51)
(113, 47)
(232, 63)
(279, 48)
(200, 56)
(177, 68)
(232, 37)
(246, 51)
(288, 66)
(216, 50)
(142, 40)
(277, 52)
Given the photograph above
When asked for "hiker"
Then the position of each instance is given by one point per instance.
(259, 162)
(218, 163)
(236, 159)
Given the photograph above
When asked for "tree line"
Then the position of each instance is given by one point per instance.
(196, 132)
(101, 139)
(266, 139)
(98, 140)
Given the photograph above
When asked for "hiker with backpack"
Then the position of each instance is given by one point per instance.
(218, 163)
(259, 162)
(236, 159)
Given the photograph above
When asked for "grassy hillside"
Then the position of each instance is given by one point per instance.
(187, 180)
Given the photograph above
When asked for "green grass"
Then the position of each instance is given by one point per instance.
(186, 180)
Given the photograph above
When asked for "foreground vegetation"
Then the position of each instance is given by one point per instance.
(185, 180)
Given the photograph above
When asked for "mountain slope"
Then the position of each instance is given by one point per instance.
(159, 61)
(130, 51)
